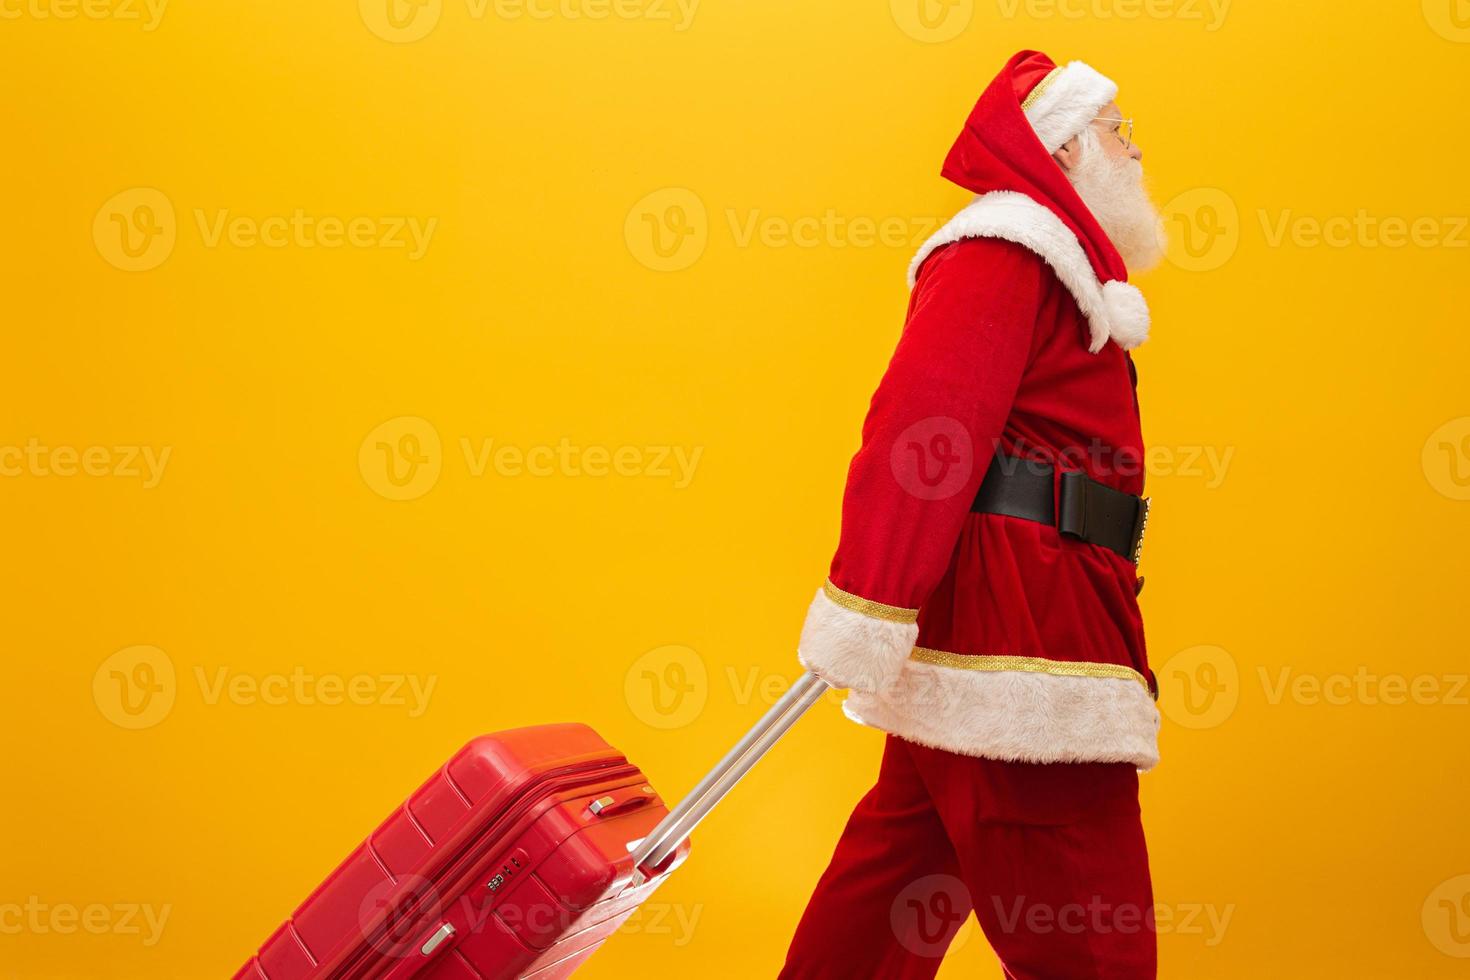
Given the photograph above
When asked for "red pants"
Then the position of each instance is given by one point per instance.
(1050, 858)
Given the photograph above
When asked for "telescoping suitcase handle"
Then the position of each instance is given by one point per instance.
(674, 829)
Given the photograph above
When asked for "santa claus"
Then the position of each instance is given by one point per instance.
(981, 607)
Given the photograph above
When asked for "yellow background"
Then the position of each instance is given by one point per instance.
(1332, 546)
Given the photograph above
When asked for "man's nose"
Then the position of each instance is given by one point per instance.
(1136, 153)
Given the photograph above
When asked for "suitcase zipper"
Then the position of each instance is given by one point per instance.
(356, 964)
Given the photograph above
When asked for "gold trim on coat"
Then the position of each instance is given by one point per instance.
(1035, 665)
(867, 607)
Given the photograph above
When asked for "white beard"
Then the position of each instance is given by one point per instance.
(1113, 190)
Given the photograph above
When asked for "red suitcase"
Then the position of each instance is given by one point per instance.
(516, 860)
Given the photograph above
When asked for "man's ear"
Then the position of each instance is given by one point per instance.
(1068, 154)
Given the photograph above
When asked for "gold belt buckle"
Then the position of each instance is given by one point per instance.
(1143, 510)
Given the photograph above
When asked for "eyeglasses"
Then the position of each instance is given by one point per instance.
(1121, 128)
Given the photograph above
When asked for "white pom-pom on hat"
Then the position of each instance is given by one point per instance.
(1127, 314)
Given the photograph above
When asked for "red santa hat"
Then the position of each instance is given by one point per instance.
(1004, 155)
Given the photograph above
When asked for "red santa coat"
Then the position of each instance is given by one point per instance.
(985, 634)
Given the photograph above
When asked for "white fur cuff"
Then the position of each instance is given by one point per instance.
(1015, 715)
(849, 649)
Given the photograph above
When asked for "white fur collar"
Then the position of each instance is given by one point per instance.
(1114, 309)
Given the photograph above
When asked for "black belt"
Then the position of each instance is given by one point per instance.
(1090, 511)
